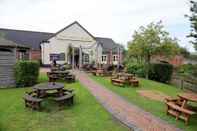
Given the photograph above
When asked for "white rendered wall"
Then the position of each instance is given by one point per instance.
(74, 36)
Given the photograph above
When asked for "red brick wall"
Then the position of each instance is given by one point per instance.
(35, 55)
(177, 60)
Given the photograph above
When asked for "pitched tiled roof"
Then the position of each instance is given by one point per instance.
(31, 39)
(108, 44)
(7, 43)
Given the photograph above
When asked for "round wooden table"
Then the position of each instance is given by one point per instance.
(43, 87)
(60, 72)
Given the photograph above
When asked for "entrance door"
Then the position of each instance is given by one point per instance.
(74, 62)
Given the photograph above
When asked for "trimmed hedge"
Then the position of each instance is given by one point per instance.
(26, 73)
(161, 72)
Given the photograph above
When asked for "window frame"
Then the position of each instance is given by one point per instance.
(104, 58)
(115, 57)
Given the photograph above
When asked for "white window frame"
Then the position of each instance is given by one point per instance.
(104, 58)
(86, 58)
(115, 57)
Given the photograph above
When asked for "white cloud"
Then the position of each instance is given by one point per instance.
(109, 18)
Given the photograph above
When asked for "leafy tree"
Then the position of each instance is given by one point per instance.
(149, 41)
(193, 20)
(184, 52)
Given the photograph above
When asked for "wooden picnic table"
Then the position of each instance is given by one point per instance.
(43, 87)
(187, 97)
(55, 75)
(60, 72)
(128, 77)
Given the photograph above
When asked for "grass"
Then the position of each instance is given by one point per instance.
(155, 107)
(85, 115)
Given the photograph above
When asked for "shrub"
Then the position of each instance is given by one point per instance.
(161, 72)
(136, 68)
(26, 73)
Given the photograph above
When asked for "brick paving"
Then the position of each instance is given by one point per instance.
(132, 116)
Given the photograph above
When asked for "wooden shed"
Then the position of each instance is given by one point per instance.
(7, 62)
(8, 58)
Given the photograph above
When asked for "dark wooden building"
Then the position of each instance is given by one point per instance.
(9, 53)
(31, 39)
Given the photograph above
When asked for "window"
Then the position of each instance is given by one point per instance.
(58, 57)
(23, 55)
(54, 57)
(115, 58)
(62, 56)
(86, 58)
(104, 58)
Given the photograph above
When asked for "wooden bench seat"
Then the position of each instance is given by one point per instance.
(134, 82)
(179, 112)
(68, 99)
(118, 82)
(93, 72)
(32, 102)
(69, 78)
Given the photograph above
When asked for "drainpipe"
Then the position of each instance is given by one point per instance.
(73, 57)
(80, 57)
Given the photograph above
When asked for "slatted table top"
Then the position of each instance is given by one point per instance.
(60, 72)
(49, 86)
(189, 96)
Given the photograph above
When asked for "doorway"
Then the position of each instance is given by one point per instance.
(75, 57)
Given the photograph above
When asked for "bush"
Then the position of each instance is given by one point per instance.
(161, 72)
(26, 73)
(135, 68)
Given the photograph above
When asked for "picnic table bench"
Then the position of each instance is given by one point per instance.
(68, 99)
(134, 82)
(42, 90)
(69, 78)
(179, 112)
(176, 108)
(32, 102)
(63, 75)
(118, 82)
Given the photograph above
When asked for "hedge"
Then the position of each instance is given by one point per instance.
(26, 73)
(161, 72)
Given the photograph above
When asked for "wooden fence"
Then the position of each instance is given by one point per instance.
(185, 82)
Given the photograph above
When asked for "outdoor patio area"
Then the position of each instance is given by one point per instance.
(150, 96)
(85, 114)
(98, 65)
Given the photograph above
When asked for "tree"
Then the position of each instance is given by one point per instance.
(149, 41)
(184, 52)
(193, 20)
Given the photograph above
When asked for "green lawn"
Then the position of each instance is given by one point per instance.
(155, 107)
(85, 115)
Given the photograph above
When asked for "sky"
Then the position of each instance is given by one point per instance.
(116, 19)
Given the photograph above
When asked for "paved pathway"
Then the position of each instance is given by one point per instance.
(129, 114)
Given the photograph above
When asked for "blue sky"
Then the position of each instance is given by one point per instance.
(106, 18)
